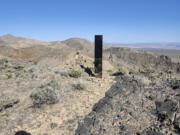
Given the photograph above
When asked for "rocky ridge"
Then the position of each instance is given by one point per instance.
(130, 107)
(49, 88)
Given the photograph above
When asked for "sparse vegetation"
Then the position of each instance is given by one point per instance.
(19, 67)
(77, 53)
(78, 86)
(64, 73)
(42, 96)
(45, 94)
(160, 73)
(7, 101)
(110, 71)
(51, 83)
(124, 70)
(75, 73)
(9, 75)
(68, 80)
(35, 62)
(132, 71)
(142, 71)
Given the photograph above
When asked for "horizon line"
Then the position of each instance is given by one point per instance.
(106, 42)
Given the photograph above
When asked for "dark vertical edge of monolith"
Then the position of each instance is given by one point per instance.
(98, 55)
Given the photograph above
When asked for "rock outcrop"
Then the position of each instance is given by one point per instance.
(130, 107)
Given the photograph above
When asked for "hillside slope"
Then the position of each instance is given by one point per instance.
(50, 88)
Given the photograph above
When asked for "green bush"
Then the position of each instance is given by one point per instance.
(75, 73)
(132, 71)
(124, 70)
(141, 71)
(9, 75)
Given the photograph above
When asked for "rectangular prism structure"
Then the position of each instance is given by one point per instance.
(98, 55)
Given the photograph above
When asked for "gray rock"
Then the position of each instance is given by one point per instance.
(152, 133)
(82, 130)
(166, 109)
(105, 117)
(128, 102)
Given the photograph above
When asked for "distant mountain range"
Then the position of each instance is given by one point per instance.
(168, 45)
(82, 43)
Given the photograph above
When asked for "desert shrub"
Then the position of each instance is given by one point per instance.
(35, 62)
(77, 53)
(75, 73)
(31, 70)
(18, 67)
(141, 71)
(51, 83)
(56, 72)
(78, 86)
(124, 70)
(110, 71)
(41, 70)
(43, 95)
(160, 73)
(7, 101)
(132, 71)
(9, 75)
(62, 73)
